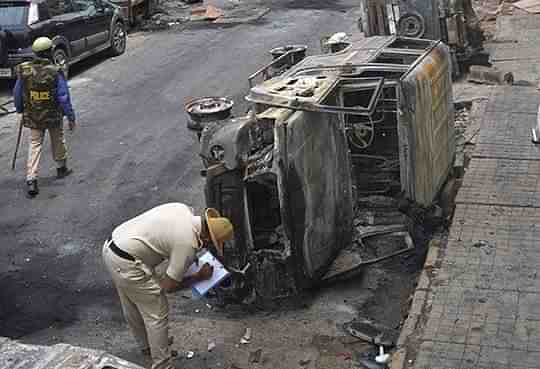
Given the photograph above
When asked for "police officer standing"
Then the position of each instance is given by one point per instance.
(41, 94)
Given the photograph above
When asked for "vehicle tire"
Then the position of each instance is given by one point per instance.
(61, 59)
(411, 25)
(118, 39)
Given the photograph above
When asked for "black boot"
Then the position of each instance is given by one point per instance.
(33, 189)
(63, 172)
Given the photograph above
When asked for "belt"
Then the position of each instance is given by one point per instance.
(119, 252)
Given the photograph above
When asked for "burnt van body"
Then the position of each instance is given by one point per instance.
(323, 142)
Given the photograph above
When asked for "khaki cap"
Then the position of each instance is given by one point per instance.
(220, 228)
(42, 44)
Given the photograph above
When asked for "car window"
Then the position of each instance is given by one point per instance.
(82, 5)
(43, 11)
(13, 14)
(56, 7)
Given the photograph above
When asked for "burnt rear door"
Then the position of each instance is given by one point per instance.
(317, 188)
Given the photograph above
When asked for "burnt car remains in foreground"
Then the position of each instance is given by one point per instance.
(312, 175)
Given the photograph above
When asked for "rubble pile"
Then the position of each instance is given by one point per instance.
(488, 11)
(167, 14)
(461, 122)
(467, 120)
(171, 13)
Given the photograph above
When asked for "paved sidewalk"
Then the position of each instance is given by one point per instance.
(477, 304)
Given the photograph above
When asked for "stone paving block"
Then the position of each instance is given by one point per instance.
(508, 25)
(484, 295)
(528, 334)
(529, 308)
(508, 137)
(514, 99)
(501, 182)
(522, 50)
(523, 70)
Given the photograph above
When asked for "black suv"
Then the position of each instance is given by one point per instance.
(78, 28)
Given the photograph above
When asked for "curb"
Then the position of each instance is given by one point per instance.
(418, 306)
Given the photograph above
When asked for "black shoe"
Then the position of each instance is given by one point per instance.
(63, 172)
(33, 189)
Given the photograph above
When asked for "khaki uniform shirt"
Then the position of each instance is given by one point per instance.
(168, 231)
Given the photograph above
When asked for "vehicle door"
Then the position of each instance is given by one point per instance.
(68, 23)
(98, 23)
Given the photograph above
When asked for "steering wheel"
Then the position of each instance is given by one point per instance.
(361, 135)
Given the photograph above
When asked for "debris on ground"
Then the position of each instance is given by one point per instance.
(369, 364)
(467, 118)
(536, 130)
(182, 13)
(372, 332)
(255, 356)
(211, 346)
(190, 354)
(205, 13)
(484, 246)
(530, 6)
(489, 75)
(367, 361)
(304, 362)
(344, 355)
(382, 358)
(488, 11)
(246, 338)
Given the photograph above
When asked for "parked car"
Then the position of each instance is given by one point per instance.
(78, 28)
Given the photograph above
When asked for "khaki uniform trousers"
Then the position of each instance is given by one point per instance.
(58, 144)
(144, 305)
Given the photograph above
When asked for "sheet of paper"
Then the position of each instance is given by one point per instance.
(199, 289)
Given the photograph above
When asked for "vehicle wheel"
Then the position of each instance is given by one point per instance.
(61, 59)
(118, 40)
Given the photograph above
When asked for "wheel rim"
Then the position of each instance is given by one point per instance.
(119, 38)
(60, 58)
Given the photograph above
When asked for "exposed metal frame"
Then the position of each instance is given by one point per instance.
(264, 70)
(307, 104)
(396, 230)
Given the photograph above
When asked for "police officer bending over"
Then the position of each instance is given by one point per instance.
(42, 96)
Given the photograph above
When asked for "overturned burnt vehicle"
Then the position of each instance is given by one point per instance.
(453, 21)
(311, 176)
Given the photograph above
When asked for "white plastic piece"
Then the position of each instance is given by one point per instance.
(536, 130)
(190, 354)
(382, 358)
(338, 38)
(247, 337)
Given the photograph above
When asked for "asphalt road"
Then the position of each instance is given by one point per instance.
(130, 152)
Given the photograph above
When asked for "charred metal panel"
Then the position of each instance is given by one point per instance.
(359, 53)
(452, 21)
(318, 182)
(426, 126)
(17, 355)
(225, 192)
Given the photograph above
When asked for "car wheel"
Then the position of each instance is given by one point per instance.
(61, 59)
(118, 39)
